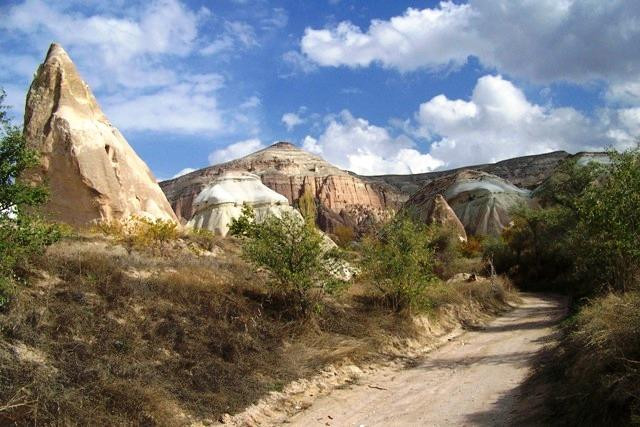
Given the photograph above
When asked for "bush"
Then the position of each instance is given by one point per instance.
(293, 253)
(344, 235)
(399, 262)
(22, 234)
(141, 233)
(307, 207)
(585, 240)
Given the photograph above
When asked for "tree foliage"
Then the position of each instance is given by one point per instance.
(399, 261)
(307, 207)
(586, 237)
(21, 232)
(294, 254)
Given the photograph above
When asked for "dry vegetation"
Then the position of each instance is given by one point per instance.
(106, 334)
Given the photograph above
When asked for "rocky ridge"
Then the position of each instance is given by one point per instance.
(341, 198)
(524, 172)
(91, 171)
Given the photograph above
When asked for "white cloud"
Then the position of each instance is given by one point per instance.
(498, 122)
(298, 63)
(291, 120)
(183, 172)
(251, 102)
(277, 18)
(419, 38)
(546, 40)
(355, 144)
(236, 150)
(134, 57)
(236, 35)
(187, 107)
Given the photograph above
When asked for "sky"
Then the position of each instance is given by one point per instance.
(373, 86)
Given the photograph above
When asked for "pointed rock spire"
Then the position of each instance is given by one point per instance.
(442, 214)
(91, 171)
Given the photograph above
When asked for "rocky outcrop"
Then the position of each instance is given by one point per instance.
(91, 171)
(341, 198)
(442, 214)
(222, 201)
(481, 201)
(525, 172)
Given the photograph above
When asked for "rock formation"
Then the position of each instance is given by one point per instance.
(480, 200)
(341, 198)
(442, 214)
(525, 172)
(91, 171)
(222, 201)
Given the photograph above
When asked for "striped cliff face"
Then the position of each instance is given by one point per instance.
(341, 197)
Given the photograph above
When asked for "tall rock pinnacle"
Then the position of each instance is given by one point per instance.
(91, 171)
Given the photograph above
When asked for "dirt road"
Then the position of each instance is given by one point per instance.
(472, 380)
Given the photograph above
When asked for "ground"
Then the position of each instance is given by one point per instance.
(472, 380)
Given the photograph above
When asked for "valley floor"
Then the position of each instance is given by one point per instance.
(473, 380)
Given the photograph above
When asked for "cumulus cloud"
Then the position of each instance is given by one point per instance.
(544, 41)
(291, 120)
(235, 150)
(355, 144)
(131, 57)
(498, 122)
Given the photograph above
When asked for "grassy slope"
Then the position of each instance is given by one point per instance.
(103, 337)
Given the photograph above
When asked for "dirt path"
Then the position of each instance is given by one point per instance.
(473, 380)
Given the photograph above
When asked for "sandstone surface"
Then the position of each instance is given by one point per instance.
(341, 198)
(91, 171)
(442, 214)
(481, 201)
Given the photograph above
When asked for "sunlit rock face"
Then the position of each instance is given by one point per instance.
(341, 198)
(91, 171)
(481, 201)
(443, 215)
(219, 203)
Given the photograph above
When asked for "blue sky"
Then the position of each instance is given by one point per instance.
(372, 86)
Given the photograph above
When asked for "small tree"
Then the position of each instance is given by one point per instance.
(293, 252)
(21, 233)
(608, 233)
(307, 207)
(399, 262)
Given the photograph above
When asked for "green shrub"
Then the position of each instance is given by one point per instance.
(344, 235)
(307, 207)
(585, 239)
(22, 234)
(399, 262)
(294, 254)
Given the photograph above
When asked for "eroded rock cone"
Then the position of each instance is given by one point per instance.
(481, 201)
(91, 171)
(443, 215)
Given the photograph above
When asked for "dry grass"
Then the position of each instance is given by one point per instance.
(595, 371)
(106, 337)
